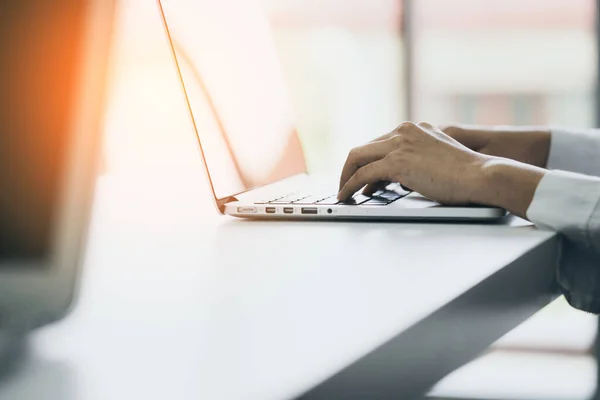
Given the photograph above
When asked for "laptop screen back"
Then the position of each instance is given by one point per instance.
(39, 58)
(235, 91)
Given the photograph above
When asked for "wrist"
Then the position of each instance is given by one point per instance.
(507, 184)
(540, 147)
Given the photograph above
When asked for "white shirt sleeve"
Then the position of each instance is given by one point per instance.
(567, 200)
(569, 203)
(575, 151)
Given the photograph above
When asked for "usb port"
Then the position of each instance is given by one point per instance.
(270, 210)
(288, 210)
(309, 210)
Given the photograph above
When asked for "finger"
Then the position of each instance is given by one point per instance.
(425, 125)
(403, 126)
(385, 137)
(374, 187)
(370, 173)
(361, 156)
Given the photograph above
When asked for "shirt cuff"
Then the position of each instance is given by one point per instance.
(575, 150)
(564, 202)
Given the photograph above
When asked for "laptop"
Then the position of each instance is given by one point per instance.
(234, 89)
(53, 57)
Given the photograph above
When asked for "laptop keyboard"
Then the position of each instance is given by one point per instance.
(379, 198)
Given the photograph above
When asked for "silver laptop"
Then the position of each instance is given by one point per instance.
(54, 59)
(235, 92)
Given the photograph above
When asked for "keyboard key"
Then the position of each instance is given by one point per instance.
(388, 195)
(301, 197)
(309, 200)
(331, 200)
(286, 199)
(376, 202)
(356, 200)
(267, 201)
(398, 188)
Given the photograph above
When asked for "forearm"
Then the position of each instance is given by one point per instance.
(526, 144)
(508, 184)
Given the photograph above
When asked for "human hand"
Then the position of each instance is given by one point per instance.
(529, 145)
(419, 156)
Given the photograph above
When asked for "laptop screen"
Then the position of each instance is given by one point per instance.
(39, 58)
(235, 92)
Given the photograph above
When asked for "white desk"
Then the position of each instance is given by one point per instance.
(179, 303)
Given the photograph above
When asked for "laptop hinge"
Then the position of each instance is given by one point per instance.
(221, 203)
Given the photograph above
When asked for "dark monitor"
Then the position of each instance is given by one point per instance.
(53, 57)
(40, 46)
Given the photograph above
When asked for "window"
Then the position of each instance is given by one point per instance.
(504, 62)
(497, 109)
(343, 61)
